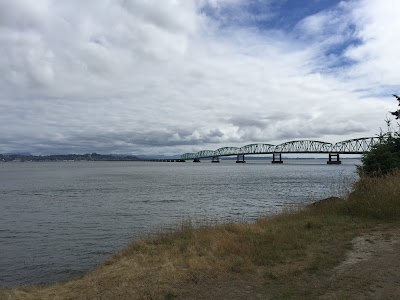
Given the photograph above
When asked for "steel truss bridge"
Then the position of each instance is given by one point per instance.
(353, 146)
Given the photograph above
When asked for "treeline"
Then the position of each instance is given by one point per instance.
(67, 157)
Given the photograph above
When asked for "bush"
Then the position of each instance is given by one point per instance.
(384, 157)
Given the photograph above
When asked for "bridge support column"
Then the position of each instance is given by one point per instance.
(196, 160)
(276, 161)
(334, 162)
(215, 159)
(240, 158)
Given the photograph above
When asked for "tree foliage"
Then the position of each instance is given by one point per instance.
(384, 157)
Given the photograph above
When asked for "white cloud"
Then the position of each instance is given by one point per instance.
(377, 56)
(151, 76)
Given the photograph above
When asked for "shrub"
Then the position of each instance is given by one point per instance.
(384, 157)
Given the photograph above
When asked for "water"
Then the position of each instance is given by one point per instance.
(58, 220)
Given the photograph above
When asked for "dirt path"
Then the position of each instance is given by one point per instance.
(371, 270)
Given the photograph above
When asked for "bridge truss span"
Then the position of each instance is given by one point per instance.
(204, 154)
(304, 146)
(226, 151)
(257, 149)
(355, 146)
(188, 156)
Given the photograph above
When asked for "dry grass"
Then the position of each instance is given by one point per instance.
(374, 197)
(276, 249)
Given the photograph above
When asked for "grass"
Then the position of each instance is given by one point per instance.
(376, 198)
(279, 254)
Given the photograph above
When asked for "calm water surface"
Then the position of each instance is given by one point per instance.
(58, 220)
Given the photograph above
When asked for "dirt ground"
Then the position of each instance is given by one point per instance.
(371, 270)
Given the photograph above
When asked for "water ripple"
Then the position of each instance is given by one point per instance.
(59, 220)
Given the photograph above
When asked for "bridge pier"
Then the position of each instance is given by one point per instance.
(215, 159)
(196, 160)
(334, 162)
(240, 158)
(275, 161)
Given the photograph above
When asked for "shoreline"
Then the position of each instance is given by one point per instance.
(292, 255)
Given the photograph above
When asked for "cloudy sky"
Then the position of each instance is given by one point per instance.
(175, 76)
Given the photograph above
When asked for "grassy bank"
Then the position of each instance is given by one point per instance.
(280, 257)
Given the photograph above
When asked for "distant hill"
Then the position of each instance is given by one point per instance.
(68, 157)
(145, 157)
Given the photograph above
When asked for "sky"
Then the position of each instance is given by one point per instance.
(175, 76)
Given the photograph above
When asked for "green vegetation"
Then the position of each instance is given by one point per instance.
(384, 157)
(277, 254)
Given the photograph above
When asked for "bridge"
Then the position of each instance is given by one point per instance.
(353, 146)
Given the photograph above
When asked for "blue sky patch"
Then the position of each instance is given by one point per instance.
(266, 15)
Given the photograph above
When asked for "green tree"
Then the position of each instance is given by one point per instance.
(385, 156)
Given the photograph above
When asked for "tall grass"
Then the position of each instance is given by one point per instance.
(375, 197)
(300, 241)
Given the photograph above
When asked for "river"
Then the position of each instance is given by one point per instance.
(60, 219)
